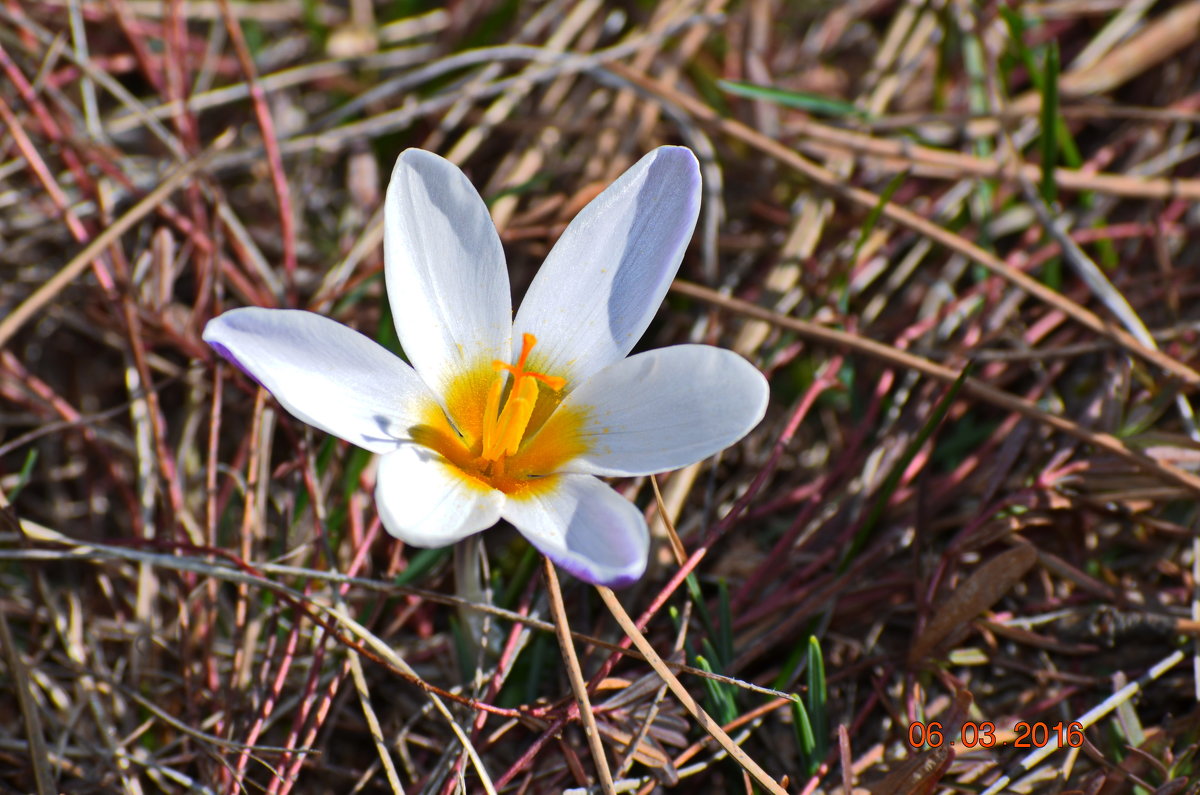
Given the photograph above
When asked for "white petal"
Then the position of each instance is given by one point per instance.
(424, 501)
(585, 527)
(324, 373)
(666, 408)
(446, 277)
(605, 278)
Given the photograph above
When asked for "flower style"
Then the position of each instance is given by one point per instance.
(471, 433)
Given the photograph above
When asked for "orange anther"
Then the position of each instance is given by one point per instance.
(503, 429)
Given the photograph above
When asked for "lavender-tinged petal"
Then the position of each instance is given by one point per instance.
(324, 373)
(606, 277)
(585, 527)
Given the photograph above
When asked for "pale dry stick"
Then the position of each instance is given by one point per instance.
(46, 293)
(562, 628)
(266, 11)
(146, 589)
(385, 651)
(971, 386)
(266, 125)
(520, 167)
(1090, 717)
(610, 135)
(502, 107)
(275, 81)
(1162, 38)
(29, 709)
(254, 515)
(80, 550)
(685, 698)
(1091, 275)
(900, 155)
(910, 219)
(1196, 615)
(677, 56)
(97, 74)
(912, 44)
(87, 87)
(554, 66)
(69, 626)
(1111, 34)
(364, 700)
(413, 27)
(543, 19)
(665, 517)
(912, 25)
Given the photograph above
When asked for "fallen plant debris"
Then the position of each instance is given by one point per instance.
(958, 554)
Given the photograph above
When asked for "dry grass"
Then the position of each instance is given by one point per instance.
(196, 592)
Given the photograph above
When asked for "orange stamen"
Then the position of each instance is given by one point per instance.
(504, 429)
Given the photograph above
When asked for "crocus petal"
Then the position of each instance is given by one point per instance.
(605, 278)
(585, 527)
(324, 373)
(664, 409)
(425, 501)
(446, 277)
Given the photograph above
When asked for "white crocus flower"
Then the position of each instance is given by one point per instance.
(513, 419)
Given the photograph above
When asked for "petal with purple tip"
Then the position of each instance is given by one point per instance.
(585, 527)
(606, 277)
(324, 373)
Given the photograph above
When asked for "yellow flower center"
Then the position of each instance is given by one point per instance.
(503, 427)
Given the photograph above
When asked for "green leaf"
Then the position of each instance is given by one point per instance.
(1050, 124)
(877, 211)
(23, 476)
(720, 695)
(725, 635)
(813, 103)
(817, 698)
(805, 741)
(425, 561)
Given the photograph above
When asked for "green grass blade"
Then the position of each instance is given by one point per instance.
(1050, 114)
(720, 695)
(725, 635)
(800, 100)
(23, 476)
(420, 564)
(817, 698)
(873, 217)
(805, 741)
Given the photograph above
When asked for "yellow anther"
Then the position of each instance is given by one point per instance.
(491, 412)
(504, 429)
